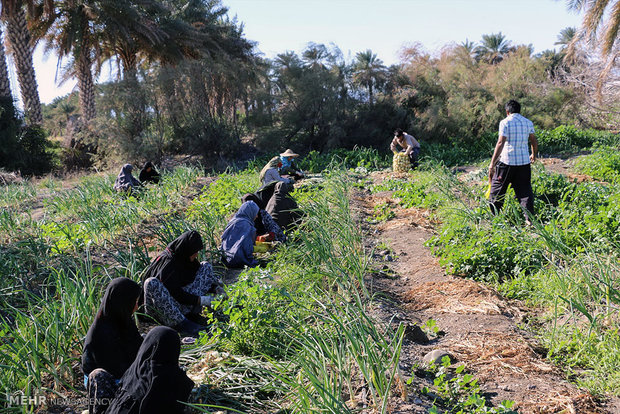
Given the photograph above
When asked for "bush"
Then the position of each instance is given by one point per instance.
(567, 138)
(258, 315)
(603, 164)
(24, 148)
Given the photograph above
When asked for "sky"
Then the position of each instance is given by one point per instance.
(384, 26)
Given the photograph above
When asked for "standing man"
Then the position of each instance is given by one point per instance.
(408, 144)
(511, 161)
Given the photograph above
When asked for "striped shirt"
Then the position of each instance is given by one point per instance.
(517, 130)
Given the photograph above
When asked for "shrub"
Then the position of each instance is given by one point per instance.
(568, 138)
(603, 164)
(24, 148)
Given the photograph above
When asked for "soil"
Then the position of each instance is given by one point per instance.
(564, 166)
(477, 326)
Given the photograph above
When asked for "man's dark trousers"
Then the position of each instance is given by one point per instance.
(520, 177)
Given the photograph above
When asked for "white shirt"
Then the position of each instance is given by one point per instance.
(410, 140)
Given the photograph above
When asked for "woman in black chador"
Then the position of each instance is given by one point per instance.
(149, 174)
(154, 383)
(112, 341)
(178, 286)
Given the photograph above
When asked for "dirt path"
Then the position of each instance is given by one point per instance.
(481, 329)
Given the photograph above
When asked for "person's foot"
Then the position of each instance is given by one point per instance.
(189, 328)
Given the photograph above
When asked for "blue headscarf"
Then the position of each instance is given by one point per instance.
(238, 237)
(286, 161)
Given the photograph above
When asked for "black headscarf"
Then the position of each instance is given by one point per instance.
(174, 269)
(113, 339)
(149, 176)
(154, 382)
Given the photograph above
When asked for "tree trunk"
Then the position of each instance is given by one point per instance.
(86, 86)
(21, 47)
(5, 85)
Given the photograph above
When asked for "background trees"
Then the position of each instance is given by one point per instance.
(188, 81)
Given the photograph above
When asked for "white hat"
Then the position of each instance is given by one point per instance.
(289, 153)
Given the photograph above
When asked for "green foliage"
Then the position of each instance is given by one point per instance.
(567, 138)
(257, 316)
(49, 325)
(417, 192)
(24, 148)
(489, 254)
(460, 394)
(368, 158)
(603, 164)
(211, 209)
(460, 150)
(382, 212)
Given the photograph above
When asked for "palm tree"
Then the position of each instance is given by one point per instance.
(493, 48)
(315, 55)
(595, 11)
(368, 71)
(5, 86)
(566, 36)
(69, 32)
(469, 47)
(21, 47)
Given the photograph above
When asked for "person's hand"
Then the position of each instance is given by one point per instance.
(532, 157)
(491, 172)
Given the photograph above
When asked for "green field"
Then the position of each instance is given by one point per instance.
(299, 335)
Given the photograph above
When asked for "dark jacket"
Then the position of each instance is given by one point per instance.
(283, 208)
(149, 176)
(173, 268)
(113, 339)
(154, 383)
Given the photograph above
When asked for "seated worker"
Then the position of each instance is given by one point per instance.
(177, 286)
(409, 145)
(263, 194)
(112, 341)
(288, 165)
(283, 208)
(270, 172)
(239, 236)
(125, 181)
(154, 383)
(264, 223)
(149, 174)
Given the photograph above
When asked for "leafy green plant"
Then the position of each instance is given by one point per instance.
(382, 212)
(568, 138)
(256, 316)
(460, 393)
(603, 164)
